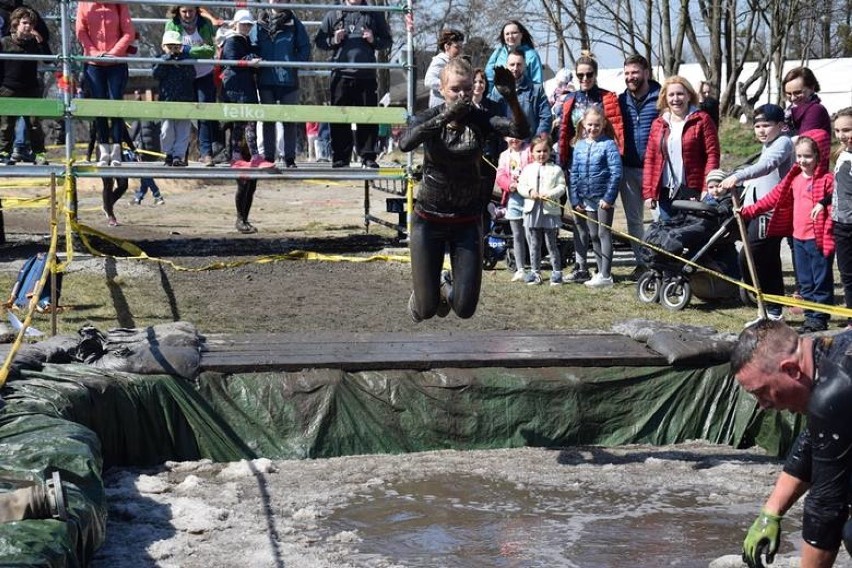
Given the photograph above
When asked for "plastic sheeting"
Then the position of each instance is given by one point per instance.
(325, 413)
(78, 419)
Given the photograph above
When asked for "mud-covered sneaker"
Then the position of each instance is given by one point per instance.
(245, 227)
(533, 279)
(412, 310)
(446, 289)
(159, 201)
(578, 276)
(556, 278)
(519, 276)
(137, 201)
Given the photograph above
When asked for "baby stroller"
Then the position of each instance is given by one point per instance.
(498, 245)
(698, 234)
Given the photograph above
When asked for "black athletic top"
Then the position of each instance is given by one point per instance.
(822, 454)
(451, 189)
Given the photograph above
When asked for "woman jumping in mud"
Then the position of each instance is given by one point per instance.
(450, 200)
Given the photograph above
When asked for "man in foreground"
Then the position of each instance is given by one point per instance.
(810, 375)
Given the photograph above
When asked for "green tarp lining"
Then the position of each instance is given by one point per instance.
(77, 419)
(325, 413)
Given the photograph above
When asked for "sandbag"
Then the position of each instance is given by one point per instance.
(682, 344)
(171, 349)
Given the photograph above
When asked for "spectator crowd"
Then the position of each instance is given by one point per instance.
(648, 146)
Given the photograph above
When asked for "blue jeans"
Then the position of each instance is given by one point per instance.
(144, 185)
(208, 130)
(107, 82)
(815, 276)
(428, 243)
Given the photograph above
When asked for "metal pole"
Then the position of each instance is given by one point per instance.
(54, 300)
(68, 83)
(367, 206)
(761, 307)
(412, 94)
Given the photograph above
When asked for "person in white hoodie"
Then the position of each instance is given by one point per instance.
(450, 44)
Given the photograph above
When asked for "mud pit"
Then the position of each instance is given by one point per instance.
(686, 505)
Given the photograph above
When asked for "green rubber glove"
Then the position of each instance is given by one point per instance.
(763, 538)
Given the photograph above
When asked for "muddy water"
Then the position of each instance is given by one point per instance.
(470, 521)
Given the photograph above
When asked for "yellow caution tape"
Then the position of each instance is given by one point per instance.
(783, 300)
(25, 203)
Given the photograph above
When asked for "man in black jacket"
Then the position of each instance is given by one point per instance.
(354, 37)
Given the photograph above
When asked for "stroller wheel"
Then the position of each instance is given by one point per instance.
(747, 298)
(648, 287)
(676, 294)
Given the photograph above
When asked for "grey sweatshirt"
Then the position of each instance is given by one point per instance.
(776, 159)
(841, 199)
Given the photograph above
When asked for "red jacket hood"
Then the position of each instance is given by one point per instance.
(823, 142)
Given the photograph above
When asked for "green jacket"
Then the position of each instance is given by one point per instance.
(207, 32)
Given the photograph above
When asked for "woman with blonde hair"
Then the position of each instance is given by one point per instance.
(683, 147)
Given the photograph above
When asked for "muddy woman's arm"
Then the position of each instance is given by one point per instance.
(518, 127)
(423, 126)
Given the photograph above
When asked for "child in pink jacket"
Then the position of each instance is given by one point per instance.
(800, 207)
(512, 161)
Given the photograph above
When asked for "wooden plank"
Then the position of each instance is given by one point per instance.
(372, 351)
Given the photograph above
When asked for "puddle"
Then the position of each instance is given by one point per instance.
(470, 521)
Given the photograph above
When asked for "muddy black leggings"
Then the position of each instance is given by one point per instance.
(429, 241)
(244, 197)
(114, 188)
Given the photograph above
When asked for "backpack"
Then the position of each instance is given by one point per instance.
(28, 277)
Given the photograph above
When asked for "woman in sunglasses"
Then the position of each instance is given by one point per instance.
(587, 94)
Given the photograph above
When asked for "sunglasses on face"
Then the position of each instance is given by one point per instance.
(582, 76)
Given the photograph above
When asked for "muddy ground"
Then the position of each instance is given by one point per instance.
(685, 505)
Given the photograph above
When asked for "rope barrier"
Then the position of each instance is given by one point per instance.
(784, 300)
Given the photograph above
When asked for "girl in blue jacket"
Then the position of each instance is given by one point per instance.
(595, 175)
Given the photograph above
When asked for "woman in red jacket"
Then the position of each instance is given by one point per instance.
(683, 147)
(575, 105)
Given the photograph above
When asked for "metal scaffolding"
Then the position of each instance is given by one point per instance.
(69, 109)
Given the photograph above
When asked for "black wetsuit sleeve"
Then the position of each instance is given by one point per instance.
(422, 127)
(829, 443)
(517, 128)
